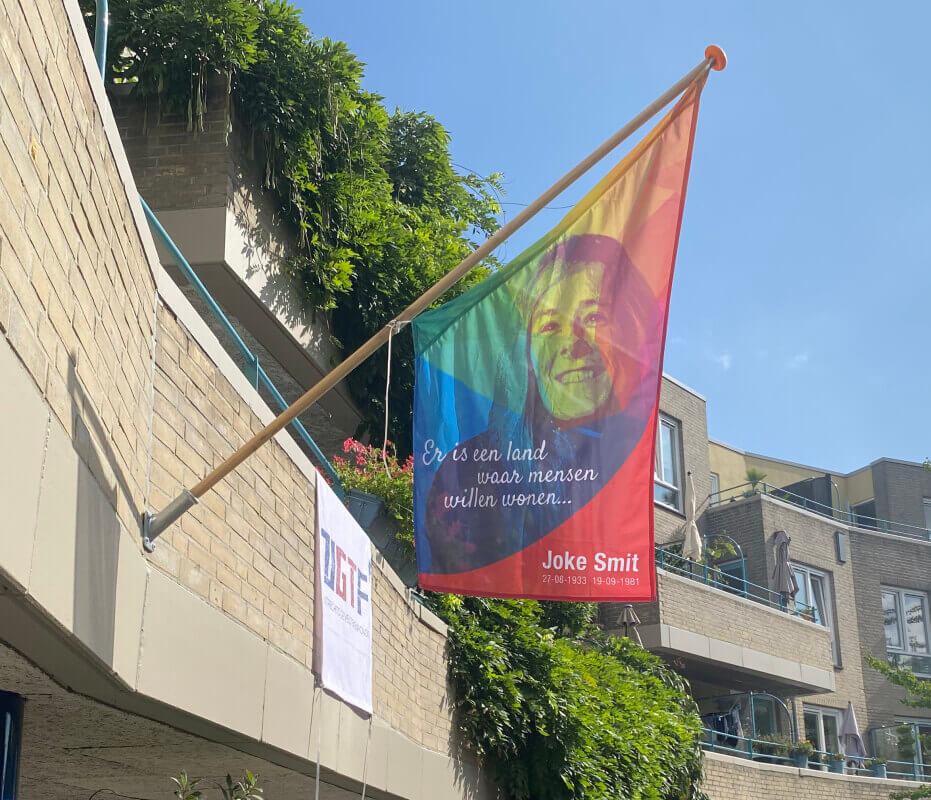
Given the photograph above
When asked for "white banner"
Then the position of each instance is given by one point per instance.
(343, 602)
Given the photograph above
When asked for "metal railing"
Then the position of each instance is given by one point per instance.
(712, 576)
(743, 490)
(905, 740)
(250, 365)
(774, 751)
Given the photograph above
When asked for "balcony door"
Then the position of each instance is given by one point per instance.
(822, 728)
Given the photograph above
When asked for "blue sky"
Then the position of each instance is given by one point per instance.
(802, 296)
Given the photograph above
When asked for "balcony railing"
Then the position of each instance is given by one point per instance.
(907, 746)
(778, 751)
(717, 578)
(848, 517)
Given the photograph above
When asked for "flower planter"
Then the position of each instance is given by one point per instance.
(364, 507)
(383, 532)
(879, 771)
(800, 760)
(836, 766)
(368, 511)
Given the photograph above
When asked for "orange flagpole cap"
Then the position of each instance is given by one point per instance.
(717, 56)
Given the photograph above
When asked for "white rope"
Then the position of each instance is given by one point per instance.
(393, 327)
(365, 758)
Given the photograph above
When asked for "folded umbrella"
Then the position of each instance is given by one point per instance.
(692, 546)
(850, 737)
(784, 582)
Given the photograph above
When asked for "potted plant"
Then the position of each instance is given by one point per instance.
(754, 478)
(774, 748)
(836, 762)
(801, 752)
(382, 500)
(878, 768)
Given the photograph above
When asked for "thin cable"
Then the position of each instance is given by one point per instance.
(365, 758)
(545, 208)
(393, 327)
(118, 794)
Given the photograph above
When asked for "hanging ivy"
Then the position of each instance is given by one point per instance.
(558, 710)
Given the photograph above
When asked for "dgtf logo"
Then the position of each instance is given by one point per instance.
(343, 575)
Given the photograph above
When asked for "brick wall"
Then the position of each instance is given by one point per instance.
(882, 560)
(178, 170)
(688, 409)
(692, 606)
(728, 778)
(813, 545)
(76, 295)
(146, 407)
(173, 168)
(742, 520)
(899, 489)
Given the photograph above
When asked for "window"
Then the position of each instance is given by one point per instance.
(813, 601)
(716, 488)
(667, 473)
(822, 728)
(905, 623)
(926, 502)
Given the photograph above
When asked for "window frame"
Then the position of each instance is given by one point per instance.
(679, 490)
(715, 486)
(828, 596)
(926, 505)
(905, 648)
(821, 712)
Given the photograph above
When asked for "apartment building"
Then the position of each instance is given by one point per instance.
(787, 666)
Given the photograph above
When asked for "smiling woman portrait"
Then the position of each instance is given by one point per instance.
(590, 331)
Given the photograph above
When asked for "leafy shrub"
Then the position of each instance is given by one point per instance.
(558, 717)
(246, 788)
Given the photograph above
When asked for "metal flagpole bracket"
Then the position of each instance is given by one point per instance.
(153, 525)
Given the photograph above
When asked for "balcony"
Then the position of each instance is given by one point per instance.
(830, 511)
(733, 635)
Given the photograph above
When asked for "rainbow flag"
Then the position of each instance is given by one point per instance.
(537, 395)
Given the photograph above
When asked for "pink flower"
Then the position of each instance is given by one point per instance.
(360, 460)
(347, 444)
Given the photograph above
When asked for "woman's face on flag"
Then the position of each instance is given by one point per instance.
(568, 321)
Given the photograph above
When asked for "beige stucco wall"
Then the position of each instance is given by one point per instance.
(121, 396)
(732, 464)
(860, 486)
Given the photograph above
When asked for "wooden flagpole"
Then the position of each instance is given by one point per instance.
(155, 524)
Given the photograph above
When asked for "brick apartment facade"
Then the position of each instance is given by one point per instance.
(198, 656)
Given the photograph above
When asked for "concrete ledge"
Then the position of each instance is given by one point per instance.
(674, 640)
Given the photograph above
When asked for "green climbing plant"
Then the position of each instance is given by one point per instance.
(558, 710)
(378, 210)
